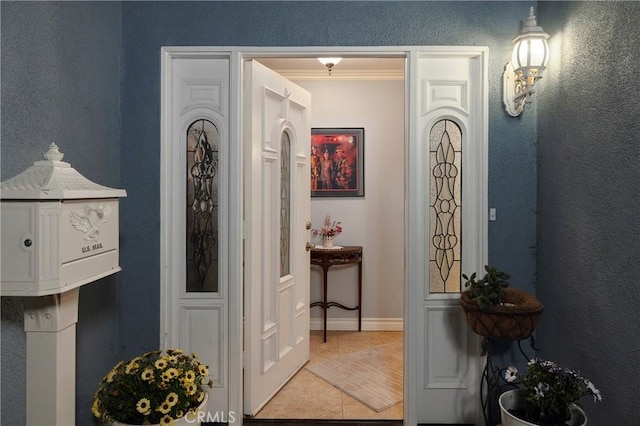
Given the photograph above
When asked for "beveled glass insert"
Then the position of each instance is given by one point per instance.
(285, 204)
(445, 202)
(202, 207)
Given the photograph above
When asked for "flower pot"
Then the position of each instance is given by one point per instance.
(515, 319)
(189, 419)
(514, 400)
(327, 242)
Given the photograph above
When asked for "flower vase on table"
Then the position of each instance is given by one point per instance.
(328, 232)
(327, 242)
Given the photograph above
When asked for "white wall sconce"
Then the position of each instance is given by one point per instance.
(528, 62)
(329, 62)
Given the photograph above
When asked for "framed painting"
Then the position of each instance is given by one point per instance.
(337, 162)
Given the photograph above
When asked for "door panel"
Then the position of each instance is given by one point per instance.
(194, 219)
(447, 189)
(277, 207)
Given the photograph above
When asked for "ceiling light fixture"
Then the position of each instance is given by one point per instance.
(528, 61)
(330, 62)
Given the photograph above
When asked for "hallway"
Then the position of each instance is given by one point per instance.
(308, 397)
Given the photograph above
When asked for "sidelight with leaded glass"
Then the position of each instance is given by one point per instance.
(202, 207)
(445, 207)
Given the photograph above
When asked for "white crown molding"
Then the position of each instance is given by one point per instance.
(336, 74)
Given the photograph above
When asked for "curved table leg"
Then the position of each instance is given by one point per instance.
(325, 259)
(325, 270)
(360, 296)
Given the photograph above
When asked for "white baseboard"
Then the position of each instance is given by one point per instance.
(351, 324)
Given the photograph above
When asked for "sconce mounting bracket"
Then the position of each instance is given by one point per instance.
(513, 93)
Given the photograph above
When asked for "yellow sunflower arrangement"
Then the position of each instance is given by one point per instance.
(154, 388)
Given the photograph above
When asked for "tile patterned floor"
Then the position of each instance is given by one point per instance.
(309, 397)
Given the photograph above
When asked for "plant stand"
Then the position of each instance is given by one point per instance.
(493, 383)
(514, 322)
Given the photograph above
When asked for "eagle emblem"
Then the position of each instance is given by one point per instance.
(91, 221)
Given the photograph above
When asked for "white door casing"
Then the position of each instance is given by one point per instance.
(441, 380)
(448, 84)
(276, 303)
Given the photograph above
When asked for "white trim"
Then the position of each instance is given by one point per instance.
(165, 208)
(351, 324)
(413, 256)
(236, 237)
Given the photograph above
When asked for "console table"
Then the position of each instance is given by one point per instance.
(326, 258)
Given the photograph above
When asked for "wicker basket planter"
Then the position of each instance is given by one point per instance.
(515, 319)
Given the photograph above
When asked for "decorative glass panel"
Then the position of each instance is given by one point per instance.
(202, 207)
(445, 219)
(285, 204)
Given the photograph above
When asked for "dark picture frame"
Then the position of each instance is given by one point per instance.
(337, 162)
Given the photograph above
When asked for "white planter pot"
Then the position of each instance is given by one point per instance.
(187, 420)
(327, 242)
(514, 399)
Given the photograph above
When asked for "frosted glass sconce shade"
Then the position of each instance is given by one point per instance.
(528, 61)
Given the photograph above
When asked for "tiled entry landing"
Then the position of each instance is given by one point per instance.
(309, 397)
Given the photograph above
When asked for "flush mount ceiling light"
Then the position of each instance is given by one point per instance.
(528, 62)
(329, 62)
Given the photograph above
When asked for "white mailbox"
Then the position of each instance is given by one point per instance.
(59, 229)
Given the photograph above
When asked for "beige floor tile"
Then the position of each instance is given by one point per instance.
(353, 409)
(311, 390)
(304, 411)
(358, 341)
(362, 412)
(308, 397)
(320, 357)
(318, 345)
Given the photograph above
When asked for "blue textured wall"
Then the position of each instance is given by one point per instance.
(588, 201)
(149, 26)
(61, 83)
(61, 80)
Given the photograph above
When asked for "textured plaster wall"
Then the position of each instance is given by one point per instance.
(147, 26)
(61, 83)
(588, 201)
(87, 75)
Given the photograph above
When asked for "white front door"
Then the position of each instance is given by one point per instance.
(276, 210)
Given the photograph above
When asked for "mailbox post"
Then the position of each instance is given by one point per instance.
(59, 231)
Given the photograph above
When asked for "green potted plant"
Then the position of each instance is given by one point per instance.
(550, 396)
(493, 309)
(165, 388)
